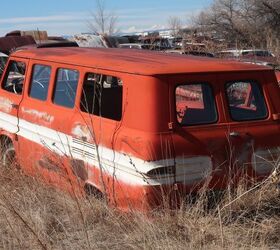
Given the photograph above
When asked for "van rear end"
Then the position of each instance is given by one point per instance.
(226, 127)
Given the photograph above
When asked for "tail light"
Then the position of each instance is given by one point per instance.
(162, 172)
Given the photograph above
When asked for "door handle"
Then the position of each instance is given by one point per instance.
(234, 134)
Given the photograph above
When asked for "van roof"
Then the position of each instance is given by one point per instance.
(135, 61)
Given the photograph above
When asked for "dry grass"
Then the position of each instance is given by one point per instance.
(35, 216)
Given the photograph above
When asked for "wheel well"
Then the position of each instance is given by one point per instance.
(5, 140)
(93, 191)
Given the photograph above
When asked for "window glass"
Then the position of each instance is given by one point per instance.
(246, 101)
(3, 61)
(40, 82)
(14, 78)
(195, 104)
(66, 87)
(102, 96)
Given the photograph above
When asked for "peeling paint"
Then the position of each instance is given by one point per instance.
(6, 105)
(41, 115)
(82, 132)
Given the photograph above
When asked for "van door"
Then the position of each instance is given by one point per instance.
(11, 94)
(45, 119)
(253, 132)
(200, 131)
(96, 127)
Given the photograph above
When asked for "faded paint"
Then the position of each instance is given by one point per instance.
(6, 105)
(40, 115)
(82, 132)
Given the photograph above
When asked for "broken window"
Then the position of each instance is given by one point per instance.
(40, 82)
(14, 78)
(246, 101)
(195, 104)
(102, 96)
(66, 87)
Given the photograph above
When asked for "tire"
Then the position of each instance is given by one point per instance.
(92, 191)
(8, 155)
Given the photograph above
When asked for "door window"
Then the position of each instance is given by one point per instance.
(246, 101)
(14, 78)
(195, 104)
(40, 82)
(102, 96)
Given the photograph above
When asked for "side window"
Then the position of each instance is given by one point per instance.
(66, 87)
(14, 78)
(3, 61)
(102, 96)
(40, 82)
(195, 104)
(246, 101)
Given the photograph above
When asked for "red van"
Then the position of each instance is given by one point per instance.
(138, 126)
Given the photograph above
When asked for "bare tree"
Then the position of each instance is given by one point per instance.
(224, 19)
(243, 23)
(175, 24)
(103, 21)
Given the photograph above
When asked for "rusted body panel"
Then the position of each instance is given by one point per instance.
(147, 153)
(10, 43)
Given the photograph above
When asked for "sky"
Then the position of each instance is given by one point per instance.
(68, 17)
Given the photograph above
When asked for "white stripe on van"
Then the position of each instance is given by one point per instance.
(264, 161)
(122, 166)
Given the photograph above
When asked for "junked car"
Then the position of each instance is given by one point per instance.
(257, 56)
(191, 52)
(139, 128)
(134, 46)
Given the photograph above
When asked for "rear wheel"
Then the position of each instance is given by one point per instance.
(8, 154)
(92, 191)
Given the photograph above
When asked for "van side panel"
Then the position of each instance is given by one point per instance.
(117, 153)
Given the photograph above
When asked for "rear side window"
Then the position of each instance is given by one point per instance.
(66, 87)
(102, 96)
(195, 104)
(246, 101)
(40, 82)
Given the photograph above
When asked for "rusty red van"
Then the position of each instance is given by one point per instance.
(138, 126)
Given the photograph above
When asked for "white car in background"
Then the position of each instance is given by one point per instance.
(256, 56)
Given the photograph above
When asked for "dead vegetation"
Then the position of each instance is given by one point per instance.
(37, 216)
